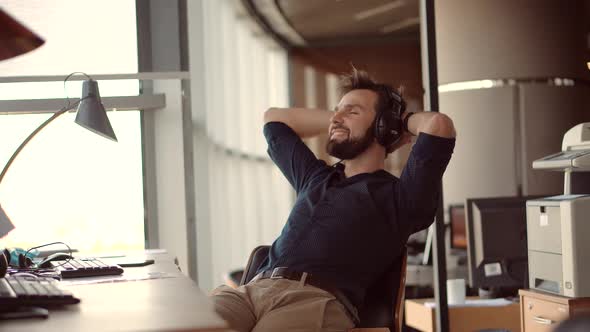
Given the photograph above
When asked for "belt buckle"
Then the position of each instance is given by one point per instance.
(276, 270)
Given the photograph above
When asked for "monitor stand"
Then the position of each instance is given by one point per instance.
(428, 245)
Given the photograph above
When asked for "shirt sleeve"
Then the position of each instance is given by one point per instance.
(420, 181)
(291, 155)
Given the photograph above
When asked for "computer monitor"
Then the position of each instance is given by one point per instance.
(457, 227)
(497, 243)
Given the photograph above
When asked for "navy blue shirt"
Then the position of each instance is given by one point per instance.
(349, 231)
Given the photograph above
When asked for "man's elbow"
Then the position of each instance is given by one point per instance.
(441, 125)
(274, 114)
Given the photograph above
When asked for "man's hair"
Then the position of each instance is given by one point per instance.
(360, 79)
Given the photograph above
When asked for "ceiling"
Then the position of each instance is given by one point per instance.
(329, 21)
(325, 22)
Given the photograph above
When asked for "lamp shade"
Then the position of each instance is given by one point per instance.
(15, 39)
(91, 113)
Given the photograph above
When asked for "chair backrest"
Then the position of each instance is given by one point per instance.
(257, 257)
(401, 293)
(384, 301)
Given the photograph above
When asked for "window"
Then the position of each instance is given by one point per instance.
(69, 184)
(246, 73)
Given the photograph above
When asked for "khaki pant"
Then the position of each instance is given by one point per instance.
(280, 305)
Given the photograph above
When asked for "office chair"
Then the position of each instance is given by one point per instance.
(384, 301)
(233, 278)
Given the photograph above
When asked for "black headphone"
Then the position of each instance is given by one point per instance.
(23, 261)
(388, 125)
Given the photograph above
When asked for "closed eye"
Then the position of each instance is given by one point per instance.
(349, 109)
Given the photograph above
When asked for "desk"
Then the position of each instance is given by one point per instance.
(168, 304)
(463, 319)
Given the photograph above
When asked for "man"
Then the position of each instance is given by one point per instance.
(350, 221)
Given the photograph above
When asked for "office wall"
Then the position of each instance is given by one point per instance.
(200, 144)
(547, 112)
(518, 39)
(166, 133)
(487, 117)
(501, 131)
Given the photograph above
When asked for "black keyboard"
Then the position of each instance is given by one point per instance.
(85, 267)
(18, 291)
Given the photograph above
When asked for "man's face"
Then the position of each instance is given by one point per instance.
(351, 130)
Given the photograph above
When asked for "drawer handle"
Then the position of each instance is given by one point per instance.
(542, 320)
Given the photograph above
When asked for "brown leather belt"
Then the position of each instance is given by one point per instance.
(308, 279)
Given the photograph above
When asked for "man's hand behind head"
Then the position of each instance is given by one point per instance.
(406, 138)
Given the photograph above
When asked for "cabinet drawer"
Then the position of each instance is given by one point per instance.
(542, 316)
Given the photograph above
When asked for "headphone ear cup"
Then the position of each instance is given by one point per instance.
(388, 128)
(21, 261)
(24, 261)
(3, 263)
(379, 129)
(7, 255)
(397, 128)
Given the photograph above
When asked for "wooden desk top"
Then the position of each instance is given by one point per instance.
(167, 304)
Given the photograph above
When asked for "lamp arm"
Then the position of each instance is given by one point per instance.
(33, 134)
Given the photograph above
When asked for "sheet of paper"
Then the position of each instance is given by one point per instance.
(127, 276)
(476, 303)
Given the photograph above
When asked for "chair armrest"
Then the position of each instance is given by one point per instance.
(369, 329)
(228, 280)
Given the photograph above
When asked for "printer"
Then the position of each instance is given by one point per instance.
(558, 227)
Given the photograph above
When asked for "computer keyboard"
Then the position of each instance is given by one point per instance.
(18, 291)
(85, 267)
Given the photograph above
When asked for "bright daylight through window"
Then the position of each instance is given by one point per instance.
(69, 184)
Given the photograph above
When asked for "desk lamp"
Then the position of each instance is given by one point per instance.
(91, 115)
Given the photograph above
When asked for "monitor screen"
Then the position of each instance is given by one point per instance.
(457, 226)
(497, 242)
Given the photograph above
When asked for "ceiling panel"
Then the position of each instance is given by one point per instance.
(331, 20)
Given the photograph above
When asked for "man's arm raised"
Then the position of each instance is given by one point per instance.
(285, 145)
(305, 122)
(432, 123)
(419, 183)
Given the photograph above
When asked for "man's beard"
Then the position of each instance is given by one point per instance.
(350, 148)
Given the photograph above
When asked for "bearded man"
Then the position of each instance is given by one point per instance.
(351, 220)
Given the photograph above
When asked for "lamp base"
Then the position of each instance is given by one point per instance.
(5, 224)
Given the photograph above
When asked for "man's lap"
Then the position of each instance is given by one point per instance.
(281, 304)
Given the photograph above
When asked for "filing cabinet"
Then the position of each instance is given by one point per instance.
(542, 312)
